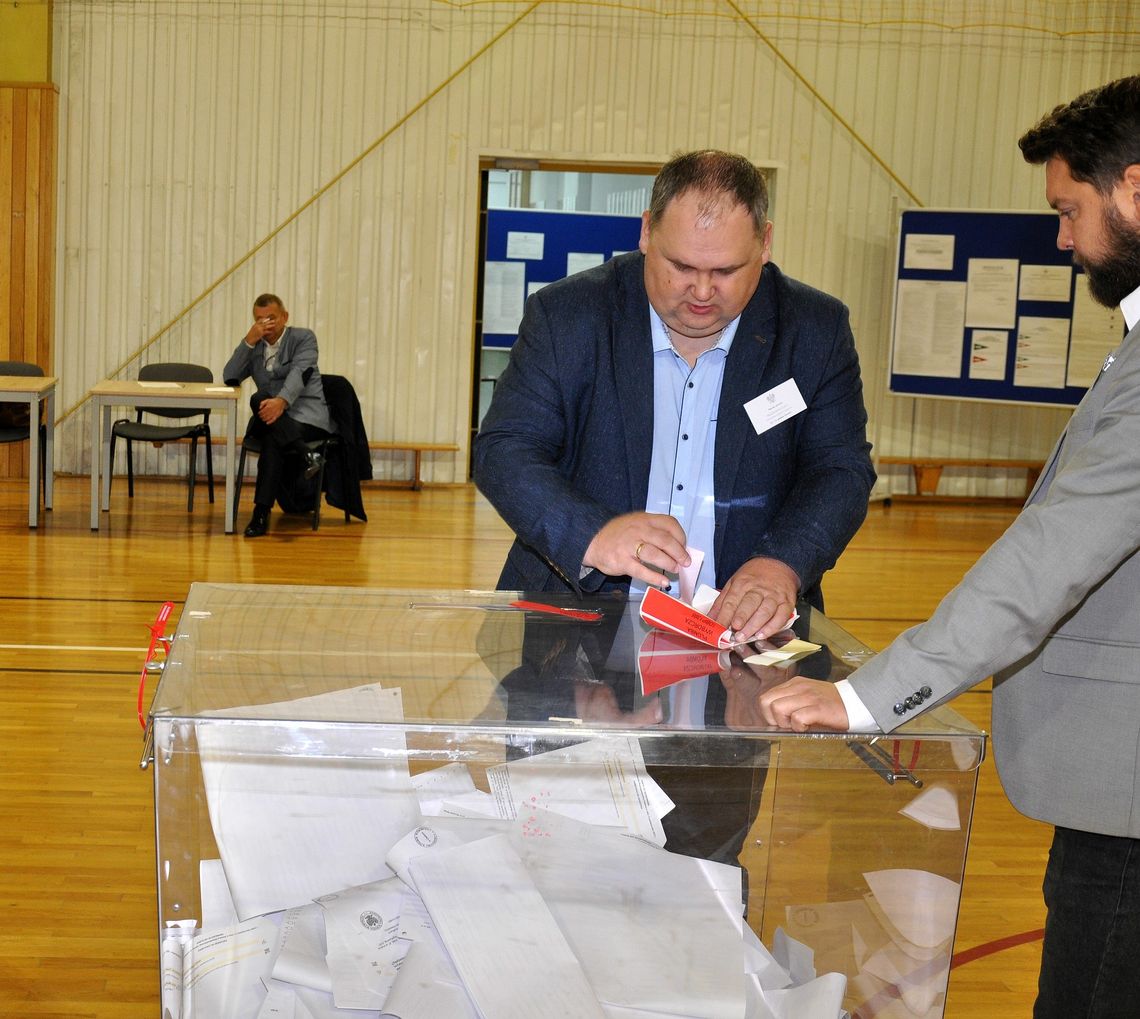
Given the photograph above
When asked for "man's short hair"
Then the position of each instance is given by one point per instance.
(264, 300)
(1097, 134)
(711, 172)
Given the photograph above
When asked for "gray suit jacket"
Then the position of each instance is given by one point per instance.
(1052, 611)
(294, 377)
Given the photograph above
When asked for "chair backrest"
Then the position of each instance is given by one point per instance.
(175, 371)
(14, 416)
(20, 368)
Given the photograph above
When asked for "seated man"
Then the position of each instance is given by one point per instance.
(288, 407)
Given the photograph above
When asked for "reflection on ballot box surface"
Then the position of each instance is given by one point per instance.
(435, 804)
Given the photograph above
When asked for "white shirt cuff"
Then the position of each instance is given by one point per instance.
(859, 719)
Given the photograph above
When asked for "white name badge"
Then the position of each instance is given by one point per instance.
(778, 404)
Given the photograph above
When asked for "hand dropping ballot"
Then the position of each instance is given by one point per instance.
(665, 612)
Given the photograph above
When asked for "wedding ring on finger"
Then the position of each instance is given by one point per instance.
(637, 552)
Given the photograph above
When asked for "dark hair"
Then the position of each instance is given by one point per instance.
(264, 300)
(714, 173)
(1097, 134)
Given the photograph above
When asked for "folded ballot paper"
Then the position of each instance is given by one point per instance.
(665, 612)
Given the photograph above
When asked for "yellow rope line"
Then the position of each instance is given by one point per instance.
(819, 19)
(825, 104)
(320, 193)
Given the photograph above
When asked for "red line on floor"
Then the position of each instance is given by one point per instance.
(991, 947)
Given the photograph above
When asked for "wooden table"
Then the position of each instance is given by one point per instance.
(35, 390)
(198, 395)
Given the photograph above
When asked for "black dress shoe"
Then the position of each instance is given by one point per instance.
(313, 461)
(258, 523)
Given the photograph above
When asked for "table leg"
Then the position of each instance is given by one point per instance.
(231, 465)
(96, 460)
(49, 451)
(33, 461)
(107, 465)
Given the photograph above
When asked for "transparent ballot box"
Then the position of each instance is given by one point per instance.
(430, 803)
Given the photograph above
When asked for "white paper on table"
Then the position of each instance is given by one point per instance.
(292, 828)
(222, 973)
(439, 784)
(504, 942)
(600, 781)
(935, 807)
(922, 906)
(648, 927)
(217, 905)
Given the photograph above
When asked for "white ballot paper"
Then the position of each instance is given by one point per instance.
(364, 947)
(506, 946)
(220, 973)
(672, 946)
(301, 949)
(599, 781)
(427, 988)
(290, 828)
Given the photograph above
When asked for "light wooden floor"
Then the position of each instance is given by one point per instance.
(77, 913)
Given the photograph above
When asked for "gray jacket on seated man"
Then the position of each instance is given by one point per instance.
(289, 407)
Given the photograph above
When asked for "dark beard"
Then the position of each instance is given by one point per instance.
(1113, 277)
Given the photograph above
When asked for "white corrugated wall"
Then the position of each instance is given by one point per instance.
(328, 151)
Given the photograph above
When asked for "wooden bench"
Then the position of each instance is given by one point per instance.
(417, 449)
(928, 469)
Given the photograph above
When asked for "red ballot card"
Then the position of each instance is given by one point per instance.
(668, 613)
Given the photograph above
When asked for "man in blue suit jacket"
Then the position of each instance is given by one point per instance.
(619, 434)
(288, 406)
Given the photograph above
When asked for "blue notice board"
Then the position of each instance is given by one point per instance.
(983, 310)
(527, 248)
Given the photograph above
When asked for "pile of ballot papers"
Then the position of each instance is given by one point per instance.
(346, 886)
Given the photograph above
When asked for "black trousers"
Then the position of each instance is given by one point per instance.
(1090, 960)
(280, 440)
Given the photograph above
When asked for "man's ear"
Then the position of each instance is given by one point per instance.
(1129, 191)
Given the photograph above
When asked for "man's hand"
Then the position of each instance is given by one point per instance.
(744, 683)
(271, 409)
(801, 704)
(639, 545)
(758, 600)
(259, 330)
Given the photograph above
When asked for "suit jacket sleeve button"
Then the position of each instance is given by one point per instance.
(926, 692)
(900, 708)
(910, 702)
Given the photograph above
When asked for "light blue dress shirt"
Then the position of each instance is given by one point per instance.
(685, 402)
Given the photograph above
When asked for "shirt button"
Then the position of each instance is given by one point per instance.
(685, 436)
(680, 488)
(690, 385)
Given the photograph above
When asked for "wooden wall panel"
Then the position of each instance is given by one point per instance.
(27, 235)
